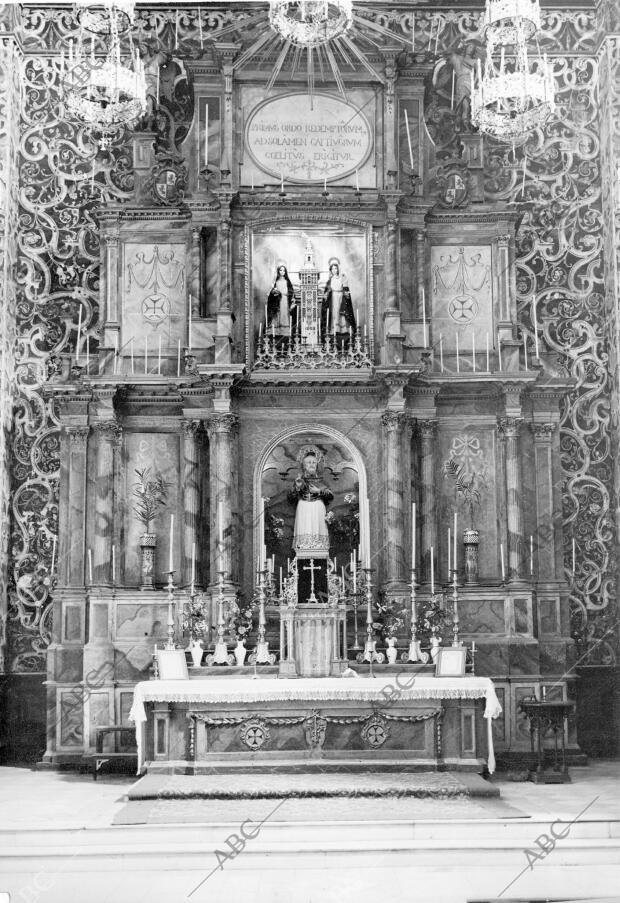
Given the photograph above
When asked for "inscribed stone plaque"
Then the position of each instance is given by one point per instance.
(304, 138)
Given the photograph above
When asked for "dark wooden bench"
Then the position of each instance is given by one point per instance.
(99, 757)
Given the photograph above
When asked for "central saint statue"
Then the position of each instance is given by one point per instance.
(311, 495)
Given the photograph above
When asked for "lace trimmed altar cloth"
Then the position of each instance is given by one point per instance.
(380, 690)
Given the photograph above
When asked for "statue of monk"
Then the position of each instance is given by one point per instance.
(311, 495)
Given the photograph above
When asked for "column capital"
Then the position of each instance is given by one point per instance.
(427, 429)
(221, 423)
(543, 432)
(394, 421)
(108, 429)
(509, 427)
(78, 435)
(190, 428)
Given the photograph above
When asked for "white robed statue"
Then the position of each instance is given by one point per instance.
(311, 495)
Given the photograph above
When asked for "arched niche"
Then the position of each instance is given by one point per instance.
(344, 473)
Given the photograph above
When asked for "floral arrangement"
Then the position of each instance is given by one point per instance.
(242, 618)
(151, 494)
(346, 529)
(194, 620)
(393, 613)
(432, 619)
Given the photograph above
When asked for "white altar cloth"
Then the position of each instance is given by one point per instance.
(381, 689)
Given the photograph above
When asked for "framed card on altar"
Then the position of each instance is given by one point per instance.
(451, 662)
(172, 664)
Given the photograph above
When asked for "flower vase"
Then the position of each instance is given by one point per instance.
(471, 541)
(148, 541)
(391, 650)
(240, 653)
(196, 651)
(435, 646)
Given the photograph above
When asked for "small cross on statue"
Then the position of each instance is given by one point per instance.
(311, 567)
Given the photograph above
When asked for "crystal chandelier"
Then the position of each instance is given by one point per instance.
(513, 95)
(108, 92)
(102, 20)
(309, 23)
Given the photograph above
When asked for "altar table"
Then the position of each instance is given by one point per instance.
(370, 713)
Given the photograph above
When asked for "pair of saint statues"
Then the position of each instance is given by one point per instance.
(337, 314)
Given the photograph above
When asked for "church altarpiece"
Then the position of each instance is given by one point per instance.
(157, 261)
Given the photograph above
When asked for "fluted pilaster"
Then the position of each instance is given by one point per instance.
(394, 425)
(509, 428)
(427, 432)
(191, 496)
(107, 433)
(223, 467)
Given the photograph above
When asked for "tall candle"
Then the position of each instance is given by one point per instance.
(146, 353)
(574, 550)
(171, 555)
(87, 354)
(325, 184)
(432, 571)
(499, 353)
(452, 98)
(534, 317)
(501, 554)
(354, 570)
(449, 549)
(132, 359)
(220, 522)
(525, 350)
(115, 353)
(441, 352)
(179, 357)
(488, 367)
(413, 536)
(357, 180)
(54, 538)
(193, 568)
(113, 564)
(200, 25)
(424, 316)
(281, 181)
(409, 139)
(79, 334)
(413, 32)
(189, 324)
(90, 565)
(458, 363)
(454, 559)
(159, 356)
(206, 135)
(473, 351)
(157, 86)
(531, 554)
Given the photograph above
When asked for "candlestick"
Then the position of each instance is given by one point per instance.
(432, 572)
(90, 566)
(501, 553)
(170, 623)
(220, 533)
(171, 555)
(354, 571)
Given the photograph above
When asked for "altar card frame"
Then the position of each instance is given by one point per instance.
(451, 662)
(268, 243)
(172, 664)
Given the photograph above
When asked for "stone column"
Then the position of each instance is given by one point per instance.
(545, 528)
(427, 430)
(394, 424)
(509, 431)
(72, 530)
(196, 270)
(223, 455)
(191, 498)
(107, 432)
(420, 252)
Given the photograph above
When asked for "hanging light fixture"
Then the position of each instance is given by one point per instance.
(105, 92)
(102, 20)
(309, 23)
(513, 94)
